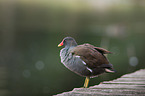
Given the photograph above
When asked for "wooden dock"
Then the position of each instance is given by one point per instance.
(132, 84)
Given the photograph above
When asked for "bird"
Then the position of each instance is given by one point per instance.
(85, 60)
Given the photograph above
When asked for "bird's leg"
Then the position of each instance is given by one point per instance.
(86, 82)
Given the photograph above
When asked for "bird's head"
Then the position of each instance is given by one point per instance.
(68, 41)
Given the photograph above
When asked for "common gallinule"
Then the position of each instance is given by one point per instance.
(85, 60)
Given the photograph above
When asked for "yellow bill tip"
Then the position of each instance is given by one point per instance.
(59, 45)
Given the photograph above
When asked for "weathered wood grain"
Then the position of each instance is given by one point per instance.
(126, 85)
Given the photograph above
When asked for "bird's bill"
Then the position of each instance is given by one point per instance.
(61, 44)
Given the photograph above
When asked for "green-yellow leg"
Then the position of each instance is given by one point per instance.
(86, 82)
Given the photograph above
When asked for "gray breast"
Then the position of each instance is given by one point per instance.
(74, 63)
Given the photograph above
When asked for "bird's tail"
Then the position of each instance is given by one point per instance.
(108, 68)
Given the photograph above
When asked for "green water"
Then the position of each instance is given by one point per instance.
(29, 34)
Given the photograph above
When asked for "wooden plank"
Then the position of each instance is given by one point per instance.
(127, 85)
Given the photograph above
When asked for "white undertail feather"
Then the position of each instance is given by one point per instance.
(107, 70)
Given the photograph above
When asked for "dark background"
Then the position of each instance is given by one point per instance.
(31, 30)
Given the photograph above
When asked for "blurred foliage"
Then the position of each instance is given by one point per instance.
(31, 30)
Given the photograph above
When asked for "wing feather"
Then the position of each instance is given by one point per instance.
(92, 57)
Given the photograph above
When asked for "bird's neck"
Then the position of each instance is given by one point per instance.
(71, 44)
(68, 47)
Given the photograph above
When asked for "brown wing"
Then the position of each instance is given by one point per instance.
(101, 50)
(90, 56)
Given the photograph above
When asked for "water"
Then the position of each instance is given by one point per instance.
(29, 56)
